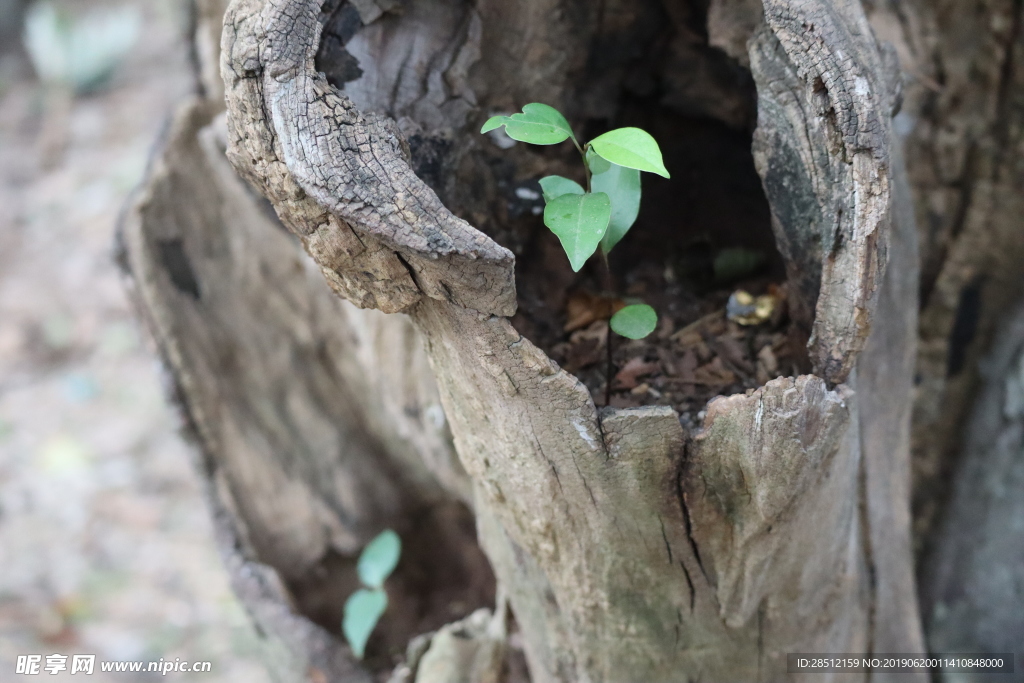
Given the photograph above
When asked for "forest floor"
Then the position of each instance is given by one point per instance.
(106, 546)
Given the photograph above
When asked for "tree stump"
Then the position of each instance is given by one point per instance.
(380, 380)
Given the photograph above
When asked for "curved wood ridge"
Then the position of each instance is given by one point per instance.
(620, 564)
(340, 178)
(822, 148)
(628, 551)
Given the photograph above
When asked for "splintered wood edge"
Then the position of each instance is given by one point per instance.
(328, 168)
(835, 53)
(315, 156)
(297, 649)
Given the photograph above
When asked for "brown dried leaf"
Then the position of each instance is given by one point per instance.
(714, 374)
(583, 308)
(687, 366)
(712, 324)
(586, 346)
(767, 357)
(628, 376)
(735, 353)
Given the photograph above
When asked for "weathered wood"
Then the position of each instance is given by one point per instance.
(620, 563)
(330, 169)
(823, 148)
(320, 423)
(962, 125)
(976, 567)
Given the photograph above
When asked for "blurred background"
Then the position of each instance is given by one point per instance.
(106, 546)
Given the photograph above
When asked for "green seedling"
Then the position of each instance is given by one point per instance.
(598, 216)
(364, 608)
(635, 321)
(79, 51)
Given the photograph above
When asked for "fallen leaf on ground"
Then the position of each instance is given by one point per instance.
(628, 376)
(712, 323)
(583, 308)
(714, 374)
(586, 346)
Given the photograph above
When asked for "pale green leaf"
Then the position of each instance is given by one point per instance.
(635, 321)
(632, 148)
(579, 221)
(492, 123)
(379, 558)
(538, 124)
(554, 186)
(622, 185)
(596, 163)
(79, 50)
(363, 610)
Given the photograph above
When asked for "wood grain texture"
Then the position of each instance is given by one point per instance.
(962, 126)
(295, 135)
(319, 423)
(823, 149)
(976, 567)
(629, 549)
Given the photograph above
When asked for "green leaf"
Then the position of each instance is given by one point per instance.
(492, 123)
(554, 186)
(632, 148)
(622, 185)
(596, 163)
(379, 558)
(635, 321)
(363, 610)
(579, 221)
(80, 50)
(538, 124)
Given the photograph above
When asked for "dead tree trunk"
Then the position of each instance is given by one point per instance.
(630, 543)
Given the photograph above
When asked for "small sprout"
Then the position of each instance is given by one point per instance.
(539, 124)
(554, 186)
(599, 215)
(379, 558)
(579, 221)
(635, 321)
(362, 611)
(364, 608)
(79, 52)
(632, 148)
(622, 185)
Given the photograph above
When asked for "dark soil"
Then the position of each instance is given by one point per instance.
(700, 237)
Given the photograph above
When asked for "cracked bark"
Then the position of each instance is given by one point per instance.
(628, 548)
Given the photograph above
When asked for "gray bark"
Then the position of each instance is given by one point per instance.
(628, 547)
(976, 567)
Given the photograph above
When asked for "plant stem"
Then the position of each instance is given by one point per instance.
(606, 273)
(608, 373)
(586, 166)
(578, 148)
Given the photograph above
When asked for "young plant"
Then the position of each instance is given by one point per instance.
(79, 51)
(364, 608)
(600, 215)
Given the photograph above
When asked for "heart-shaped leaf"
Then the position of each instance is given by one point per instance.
(554, 186)
(492, 123)
(379, 558)
(362, 611)
(632, 148)
(622, 185)
(635, 321)
(538, 124)
(579, 221)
